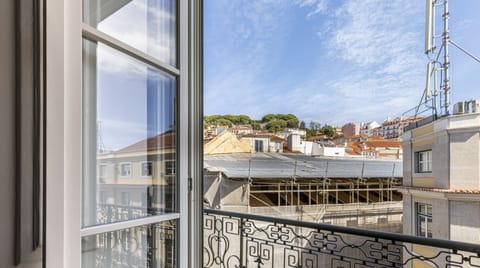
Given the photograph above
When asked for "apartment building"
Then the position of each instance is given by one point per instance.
(393, 127)
(441, 180)
(351, 129)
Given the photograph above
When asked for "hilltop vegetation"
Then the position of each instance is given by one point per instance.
(227, 120)
(269, 122)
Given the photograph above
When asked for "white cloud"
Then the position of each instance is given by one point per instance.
(371, 63)
(160, 44)
(117, 134)
(379, 43)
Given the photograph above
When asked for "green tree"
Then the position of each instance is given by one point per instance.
(268, 117)
(302, 125)
(224, 122)
(292, 123)
(327, 130)
(276, 125)
(314, 125)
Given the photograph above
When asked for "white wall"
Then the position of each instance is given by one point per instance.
(294, 143)
(332, 151)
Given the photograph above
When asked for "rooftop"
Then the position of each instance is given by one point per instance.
(274, 165)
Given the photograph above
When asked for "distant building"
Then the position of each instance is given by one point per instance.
(393, 127)
(367, 128)
(375, 147)
(213, 130)
(441, 170)
(328, 151)
(241, 130)
(351, 129)
(338, 131)
(294, 142)
(139, 175)
(226, 143)
(264, 142)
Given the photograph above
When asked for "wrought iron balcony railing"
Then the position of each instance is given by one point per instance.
(234, 239)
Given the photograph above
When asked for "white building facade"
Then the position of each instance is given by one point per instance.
(441, 191)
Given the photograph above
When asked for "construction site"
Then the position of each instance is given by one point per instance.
(348, 192)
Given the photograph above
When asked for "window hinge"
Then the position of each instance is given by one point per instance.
(190, 184)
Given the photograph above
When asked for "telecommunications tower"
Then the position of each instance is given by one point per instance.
(439, 60)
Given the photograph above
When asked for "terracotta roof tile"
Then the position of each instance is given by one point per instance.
(441, 190)
(276, 138)
(382, 143)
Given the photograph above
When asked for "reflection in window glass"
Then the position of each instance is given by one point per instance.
(125, 169)
(424, 220)
(144, 246)
(169, 167)
(129, 128)
(147, 169)
(147, 25)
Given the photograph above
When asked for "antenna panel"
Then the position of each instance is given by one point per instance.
(428, 26)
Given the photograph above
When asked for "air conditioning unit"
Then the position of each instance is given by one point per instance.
(475, 106)
(460, 108)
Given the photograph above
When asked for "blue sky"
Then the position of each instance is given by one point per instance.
(328, 61)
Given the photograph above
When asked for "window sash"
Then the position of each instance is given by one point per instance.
(92, 34)
(424, 220)
(424, 161)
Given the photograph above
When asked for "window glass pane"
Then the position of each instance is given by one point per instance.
(147, 25)
(129, 132)
(147, 169)
(429, 227)
(422, 226)
(144, 246)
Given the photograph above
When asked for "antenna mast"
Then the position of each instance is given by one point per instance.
(446, 58)
(434, 62)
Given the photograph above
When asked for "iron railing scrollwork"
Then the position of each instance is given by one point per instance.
(137, 247)
(234, 239)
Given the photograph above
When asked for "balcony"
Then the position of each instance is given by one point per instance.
(234, 239)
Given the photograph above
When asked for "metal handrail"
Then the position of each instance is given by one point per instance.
(441, 243)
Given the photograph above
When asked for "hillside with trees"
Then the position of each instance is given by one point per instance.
(269, 123)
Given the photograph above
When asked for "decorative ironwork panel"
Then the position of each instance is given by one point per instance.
(242, 240)
(139, 247)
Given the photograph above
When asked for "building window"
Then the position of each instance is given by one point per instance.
(424, 161)
(424, 220)
(170, 167)
(147, 169)
(278, 145)
(125, 169)
(102, 171)
(258, 146)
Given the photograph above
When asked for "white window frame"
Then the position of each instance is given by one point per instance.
(102, 170)
(63, 82)
(424, 165)
(120, 169)
(141, 169)
(173, 162)
(425, 217)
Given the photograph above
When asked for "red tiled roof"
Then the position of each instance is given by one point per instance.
(276, 138)
(441, 190)
(382, 143)
(376, 137)
(354, 145)
(163, 141)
